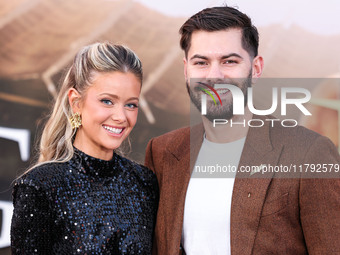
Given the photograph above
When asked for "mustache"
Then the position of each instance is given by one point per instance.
(211, 85)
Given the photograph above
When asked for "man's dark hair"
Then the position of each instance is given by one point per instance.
(220, 18)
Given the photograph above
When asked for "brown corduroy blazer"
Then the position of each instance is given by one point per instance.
(268, 215)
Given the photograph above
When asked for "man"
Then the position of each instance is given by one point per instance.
(243, 214)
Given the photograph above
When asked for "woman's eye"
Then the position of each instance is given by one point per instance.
(106, 101)
(132, 106)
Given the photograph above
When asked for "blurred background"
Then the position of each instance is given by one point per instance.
(39, 38)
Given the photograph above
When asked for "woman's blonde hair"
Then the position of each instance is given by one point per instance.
(57, 136)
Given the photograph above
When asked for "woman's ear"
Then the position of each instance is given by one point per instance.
(74, 100)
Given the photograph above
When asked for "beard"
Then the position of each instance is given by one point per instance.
(224, 111)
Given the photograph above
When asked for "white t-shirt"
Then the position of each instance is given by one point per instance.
(206, 223)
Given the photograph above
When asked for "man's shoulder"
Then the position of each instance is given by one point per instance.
(284, 131)
(300, 140)
(174, 136)
(295, 134)
(176, 141)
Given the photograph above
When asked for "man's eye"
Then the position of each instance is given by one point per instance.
(106, 101)
(230, 61)
(200, 63)
(132, 106)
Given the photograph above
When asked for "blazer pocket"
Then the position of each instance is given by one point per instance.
(275, 205)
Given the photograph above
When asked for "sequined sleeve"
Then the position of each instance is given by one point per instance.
(32, 222)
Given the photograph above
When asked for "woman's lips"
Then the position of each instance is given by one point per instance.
(114, 130)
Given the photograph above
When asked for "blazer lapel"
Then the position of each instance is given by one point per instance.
(250, 190)
(186, 151)
(183, 158)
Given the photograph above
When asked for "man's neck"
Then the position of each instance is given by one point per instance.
(226, 133)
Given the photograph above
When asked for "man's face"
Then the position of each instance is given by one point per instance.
(218, 57)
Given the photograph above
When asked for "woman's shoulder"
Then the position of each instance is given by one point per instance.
(142, 172)
(42, 175)
(38, 182)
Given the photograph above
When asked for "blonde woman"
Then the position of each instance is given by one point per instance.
(81, 197)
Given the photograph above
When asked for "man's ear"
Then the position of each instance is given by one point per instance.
(185, 67)
(74, 100)
(257, 67)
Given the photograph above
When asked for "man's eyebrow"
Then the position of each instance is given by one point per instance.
(223, 57)
(198, 56)
(232, 55)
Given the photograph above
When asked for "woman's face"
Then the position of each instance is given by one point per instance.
(109, 111)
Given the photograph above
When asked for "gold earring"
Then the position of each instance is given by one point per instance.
(75, 120)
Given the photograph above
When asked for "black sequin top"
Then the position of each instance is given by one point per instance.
(85, 206)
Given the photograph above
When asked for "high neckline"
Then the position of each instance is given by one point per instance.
(92, 166)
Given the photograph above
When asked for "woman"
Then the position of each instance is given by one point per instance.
(81, 197)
